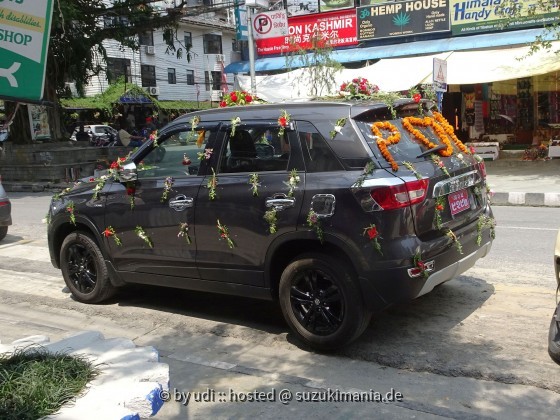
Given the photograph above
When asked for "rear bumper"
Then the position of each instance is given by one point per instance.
(454, 269)
(386, 287)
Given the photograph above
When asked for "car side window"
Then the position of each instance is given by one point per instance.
(255, 148)
(177, 153)
(317, 154)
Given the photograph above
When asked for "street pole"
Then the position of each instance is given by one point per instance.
(251, 43)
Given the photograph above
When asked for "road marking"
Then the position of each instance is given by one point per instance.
(526, 228)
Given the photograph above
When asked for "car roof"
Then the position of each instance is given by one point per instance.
(309, 109)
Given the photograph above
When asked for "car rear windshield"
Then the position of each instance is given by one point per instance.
(409, 148)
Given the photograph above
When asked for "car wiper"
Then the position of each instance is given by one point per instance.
(432, 150)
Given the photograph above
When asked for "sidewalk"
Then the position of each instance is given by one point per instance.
(529, 183)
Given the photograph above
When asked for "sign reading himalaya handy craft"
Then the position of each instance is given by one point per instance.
(24, 40)
(468, 17)
(405, 18)
(338, 28)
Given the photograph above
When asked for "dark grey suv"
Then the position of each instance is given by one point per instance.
(337, 210)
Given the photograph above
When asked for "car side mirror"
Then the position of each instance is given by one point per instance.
(128, 172)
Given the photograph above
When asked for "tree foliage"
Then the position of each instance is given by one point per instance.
(514, 10)
(319, 66)
(76, 52)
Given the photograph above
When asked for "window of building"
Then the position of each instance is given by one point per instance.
(146, 38)
(171, 76)
(148, 75)
(115, 21)
(216, 80)
(188, 39)
(212, 44)
(207, 80)
(117, 68)
(190, 77)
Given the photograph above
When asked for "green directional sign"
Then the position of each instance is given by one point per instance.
(24, 40)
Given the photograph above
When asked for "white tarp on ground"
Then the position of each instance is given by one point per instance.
(398, 74)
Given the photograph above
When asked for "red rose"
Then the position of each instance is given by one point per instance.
(121, 159)
(343, 86)
(69, 209)
(248, 99)
(421, 265)
(92, 179)
(233, 96)
(130, 190)
(372, 232)
(417, 97)
(107, 233)
(223, 104)
(114, 165)
(439, 207)
(282, 121)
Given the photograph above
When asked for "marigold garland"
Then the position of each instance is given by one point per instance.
(382, 143)
(410, 122)
(450, 132)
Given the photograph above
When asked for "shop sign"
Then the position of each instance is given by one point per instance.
(270, 24)
(336, 28)
(439, 75)
(24, 41)
(241, 23)
(470, 17)
(405, 18)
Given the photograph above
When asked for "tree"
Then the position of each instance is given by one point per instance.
(515, 10)
(316, 59)
(76, 51)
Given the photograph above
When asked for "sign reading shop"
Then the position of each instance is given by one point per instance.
(406, 18)
(337, 28)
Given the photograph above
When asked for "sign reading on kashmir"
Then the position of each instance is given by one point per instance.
(24, 41)
(476, 16)
(404, 18)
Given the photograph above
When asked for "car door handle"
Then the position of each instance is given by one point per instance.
(280, 202)
(181, 202)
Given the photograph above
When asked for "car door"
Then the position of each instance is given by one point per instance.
(154, 216)
(252, 177)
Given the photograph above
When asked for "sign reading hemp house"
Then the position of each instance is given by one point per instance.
(24, 41)
(405, 18)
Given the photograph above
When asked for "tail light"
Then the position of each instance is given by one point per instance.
(4, 202)
(405, 194)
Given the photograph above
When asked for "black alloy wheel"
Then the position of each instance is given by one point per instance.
(321, 301)
(317, 302)
(83, 268)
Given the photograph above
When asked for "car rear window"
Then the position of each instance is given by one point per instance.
(409, 148)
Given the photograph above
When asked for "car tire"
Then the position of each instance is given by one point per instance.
(321, 301)
(554, 336)
(84, 269)
(3, 232)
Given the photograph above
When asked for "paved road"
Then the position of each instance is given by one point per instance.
(474, 348)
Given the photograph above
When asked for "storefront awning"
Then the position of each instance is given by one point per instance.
(435, 46)
(399, 74)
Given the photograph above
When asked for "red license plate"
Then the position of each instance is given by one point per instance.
(459, 201)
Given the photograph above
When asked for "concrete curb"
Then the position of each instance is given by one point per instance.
(526, 199)
(131, 380)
